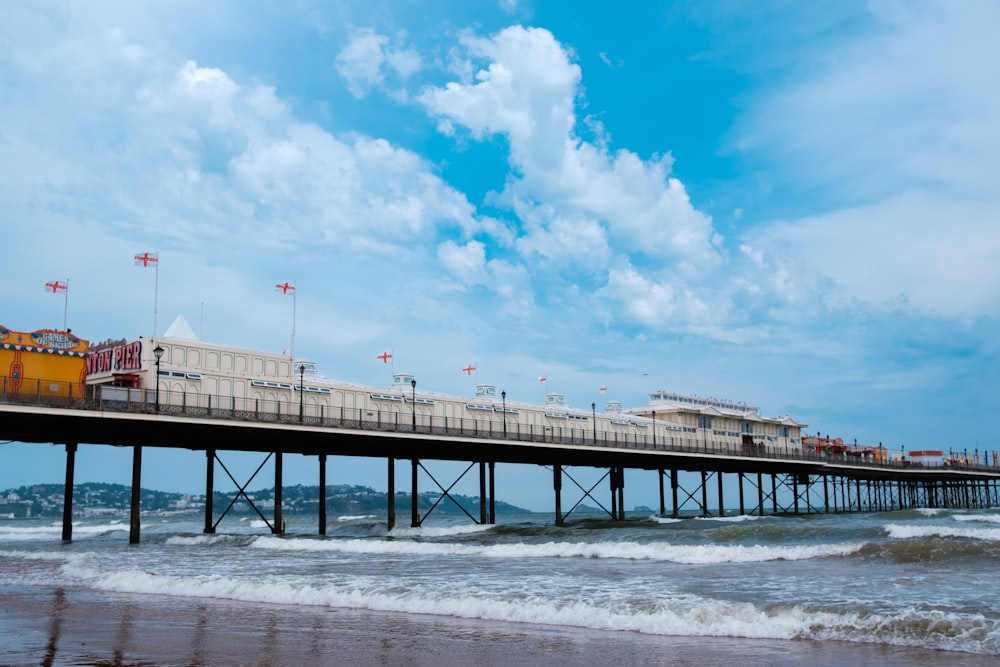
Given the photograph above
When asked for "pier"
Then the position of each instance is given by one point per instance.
(788, 480)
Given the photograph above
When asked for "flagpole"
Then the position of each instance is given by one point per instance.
(65, 304)
(295, 293)
(156, 289)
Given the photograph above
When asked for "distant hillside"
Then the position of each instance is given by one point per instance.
(95, 499)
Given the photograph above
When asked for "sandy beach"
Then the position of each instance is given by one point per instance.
(76, 627)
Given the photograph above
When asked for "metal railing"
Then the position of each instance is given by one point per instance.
(62, 394)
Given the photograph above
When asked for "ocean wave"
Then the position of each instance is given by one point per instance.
(909, 532)
(686, 614)
(978, 518)
(29, 533)
(736, 518)
(687, 554)
(209, 540)
(438, 531)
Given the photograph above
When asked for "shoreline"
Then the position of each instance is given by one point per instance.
(51, 625)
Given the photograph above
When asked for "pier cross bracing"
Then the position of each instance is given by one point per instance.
(767, 483)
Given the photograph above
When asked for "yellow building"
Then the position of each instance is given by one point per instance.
(42, 363)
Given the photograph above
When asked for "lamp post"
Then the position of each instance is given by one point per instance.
(413, 400)
(157, 353)
(302, 389)
(503, 396)
(593, 415)
(654, 429)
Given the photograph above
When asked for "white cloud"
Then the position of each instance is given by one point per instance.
(895, 127)
(579, 204)
(916, 252)
(364, 61)
(467, 263)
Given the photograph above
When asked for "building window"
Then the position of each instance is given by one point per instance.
(746, 427)
(704, 421)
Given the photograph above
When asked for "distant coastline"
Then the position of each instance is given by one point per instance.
(95, 499)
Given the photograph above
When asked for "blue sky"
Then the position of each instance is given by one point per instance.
(780, 203)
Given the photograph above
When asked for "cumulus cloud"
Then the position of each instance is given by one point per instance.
(467, 263)
(579, 204)
(367, 58)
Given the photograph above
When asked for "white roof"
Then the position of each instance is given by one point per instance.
(180, 329)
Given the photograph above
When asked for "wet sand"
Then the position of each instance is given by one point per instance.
(41, 626)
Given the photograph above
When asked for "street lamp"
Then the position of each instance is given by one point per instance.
(157, 353)
(654, 429)
(413, 400)
(593, 414)
(503, 396)
(302, 389)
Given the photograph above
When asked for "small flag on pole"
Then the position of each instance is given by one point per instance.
(146, 258)
(604, 389)
(468, 370)
(285, 288)
(55, 286)
(542, 379)
(384, 357)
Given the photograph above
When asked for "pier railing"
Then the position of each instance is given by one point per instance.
(409, 419)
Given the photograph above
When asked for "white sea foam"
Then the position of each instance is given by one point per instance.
(931, 511)
(356, 517)
(906, 532)
(978, 518)
(664, 519)
(737, 518)
(197, 540)
(438, 531)
(28, 533)
(689, 554)
(688, 614)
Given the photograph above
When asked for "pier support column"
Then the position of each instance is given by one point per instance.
(674, 484)
(482, 492)
(760, 494)
(414, 494)
(279, 523)
(133, 530)
(740, 486)
(209, 491)
(557, 487)
(704, 493)
(613, 483)
(67, 525)
(621, 494)
(322, 494)
(663, 504)
(493, 504)
(774, 494)
(390, 515)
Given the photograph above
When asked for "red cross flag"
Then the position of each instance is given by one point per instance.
(285, 288)
(603, 389)
(542, 379)
(56, 286)
(468, 369)
(146, 258)
(384, 357)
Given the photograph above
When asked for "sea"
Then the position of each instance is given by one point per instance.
(905, 587)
